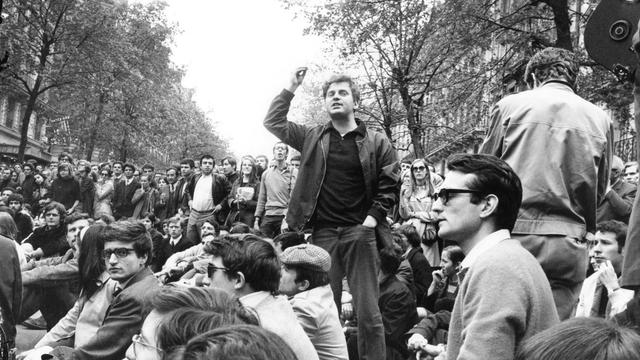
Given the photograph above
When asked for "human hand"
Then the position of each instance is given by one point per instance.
(217, 208)
(284, 227)
(256, 225)
(370, 222)
(607, 276)
(438, 275)
(416, 342)
(296, 78)
(347, 311)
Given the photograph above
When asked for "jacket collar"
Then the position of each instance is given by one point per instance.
(361, 129)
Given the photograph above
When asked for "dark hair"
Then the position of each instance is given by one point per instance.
(104, 168)
(582, 338)
(28, 165)
(410, 232)
(231, 160)
(233, 342)
(150, 216)
(315, 278)
(118, 162)
(75, 217)
(8, 226)
(295, 157)
(131, 232)
(65, 154)
(106, 218)
(16, 197)
(276, 144)
(172, 168)
(175, 219)
(455, 253)
(206, 156)
(239, 228)
(66, 167)
(552, 63)
(617, 227)
(289, 239)
(255, 258)
(355, 92)
(90, 262)
(54, 205)
(190, 161)
(265, 157)
(491, 176)
(148, 166)
(130, 166)
(390, 260)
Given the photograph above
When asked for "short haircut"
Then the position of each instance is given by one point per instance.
(9, 188)
(295, 157)
(189, 162)
(617, 227)
(355, 92)
(175, 219)
(455, 253)
(390, 259)
(410, 232)
(150, 216)
(315, 278)
(75, 217)
(239, 228)
(582, 338)
(207, 156)
(28, 165)
(56, 206)
(276, 144)
(553, 63)
(131, 232)
(16, 197)
(118, 162)
(173, 168)
(289, 239)
(234, 342)
(491, 176)
(65, 167)
(148, 166)
(255, 258)
(231, 160)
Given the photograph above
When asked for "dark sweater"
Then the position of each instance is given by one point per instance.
(65, 191)
(52, 241)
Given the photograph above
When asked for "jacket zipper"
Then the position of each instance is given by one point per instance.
(324, 172)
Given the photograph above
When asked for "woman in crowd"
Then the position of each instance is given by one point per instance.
(9, 230)
(65, 189)
(41, 194)
(10, 280)
(415, 208)
(87, 189)
(96, 292)
(103, 194)
(445, 281)
(244, 194)
(51, 239)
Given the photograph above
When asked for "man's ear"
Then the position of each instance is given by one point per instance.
(303, 285)
(240, 281)
(490, 206)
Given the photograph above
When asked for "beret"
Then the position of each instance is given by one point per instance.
(306, 255)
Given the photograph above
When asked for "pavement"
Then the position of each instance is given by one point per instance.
(27, 338)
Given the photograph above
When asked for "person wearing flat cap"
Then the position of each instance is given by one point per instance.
(305, 280)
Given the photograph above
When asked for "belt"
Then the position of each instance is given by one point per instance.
(202, 211)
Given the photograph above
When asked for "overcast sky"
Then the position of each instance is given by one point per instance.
(238, 56)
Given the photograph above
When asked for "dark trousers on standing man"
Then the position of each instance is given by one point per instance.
(354, 253)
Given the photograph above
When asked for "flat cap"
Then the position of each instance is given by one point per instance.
(306, 255)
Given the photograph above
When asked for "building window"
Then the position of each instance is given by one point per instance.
(11, 112)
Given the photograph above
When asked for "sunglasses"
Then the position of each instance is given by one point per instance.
(445, 194)
(418, 168)
(121, 253)
(211, 269)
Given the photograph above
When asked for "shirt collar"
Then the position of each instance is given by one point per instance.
(361, 129)
(252, 300)
(484, 245)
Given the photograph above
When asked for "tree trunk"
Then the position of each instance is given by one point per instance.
(123, 147)
(91, 144)
(563, 23)
(412, 124)
(26, 118)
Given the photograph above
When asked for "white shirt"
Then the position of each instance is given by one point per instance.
(128, 181)
(252, 300)
(202, 197)
(173, 241)
(484, 245)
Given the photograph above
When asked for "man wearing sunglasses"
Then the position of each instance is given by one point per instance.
(504, 296)
(560, 145)
(127, 254)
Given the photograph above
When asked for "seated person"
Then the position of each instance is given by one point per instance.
(178, 262)
(178, 314)
(420, 267)
(581, 339)
(248, 267)
(287, 239)
(235, 342)
(127, 254)
(601, 294)
(24, 223)
(175, 242)
(433, 328)
(305, 279)
(149, 221)
(96, 293)
(46, 283)
(445, 281)
(48, 240)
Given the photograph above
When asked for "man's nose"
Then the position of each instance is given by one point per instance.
(113, 259)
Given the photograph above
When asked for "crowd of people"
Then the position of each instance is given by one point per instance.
(332, 248)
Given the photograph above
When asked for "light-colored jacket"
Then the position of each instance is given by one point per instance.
(192, 253)
(317, 313)
(560, 145)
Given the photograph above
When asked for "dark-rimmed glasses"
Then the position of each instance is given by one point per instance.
(121, 253)
(211, 269)
(445, 194)
(418, 168)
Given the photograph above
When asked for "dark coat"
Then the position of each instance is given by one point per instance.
(123, 319)
(421, 274)
(398, 309)
(122, 196)
(167, 250)
(242, 212)
(617, 203)
(10, 287)
(52, 241)
(220, 188)
(65, 191)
